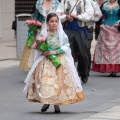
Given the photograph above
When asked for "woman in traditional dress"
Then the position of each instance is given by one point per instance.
(50, 85)
(107, 52)
(42, 9)
(98, 23)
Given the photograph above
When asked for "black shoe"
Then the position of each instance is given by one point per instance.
(45, 107)
(112, 74)
(57, 111)
(84, 79)
(79, 74)
(57, 108)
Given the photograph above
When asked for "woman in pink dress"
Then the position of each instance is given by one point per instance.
(107, 52)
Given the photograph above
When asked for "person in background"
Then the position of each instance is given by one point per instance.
(98, 23)
(96, 16)
(75, 14)
(41, 10)
(107, 52)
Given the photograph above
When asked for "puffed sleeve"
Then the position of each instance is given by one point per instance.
(97, 11)
(88, 14)
(65, 44)
(60, 11)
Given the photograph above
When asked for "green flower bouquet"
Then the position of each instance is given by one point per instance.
(33, 25)
(42, 45)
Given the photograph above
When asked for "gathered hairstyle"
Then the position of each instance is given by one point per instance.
(50, 15)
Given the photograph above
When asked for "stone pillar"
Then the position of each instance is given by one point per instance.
(7, 16)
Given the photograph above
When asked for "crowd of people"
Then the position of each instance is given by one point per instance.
(68, 26)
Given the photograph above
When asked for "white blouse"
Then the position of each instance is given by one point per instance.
(84, 17)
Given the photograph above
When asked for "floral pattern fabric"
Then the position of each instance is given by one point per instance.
(108, 46)
(25, 59)
(53, 86)
(53, 41)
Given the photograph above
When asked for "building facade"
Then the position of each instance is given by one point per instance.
(8, 11)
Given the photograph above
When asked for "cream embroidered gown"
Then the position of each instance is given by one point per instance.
(51, 85)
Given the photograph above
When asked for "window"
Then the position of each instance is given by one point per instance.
(24, 6)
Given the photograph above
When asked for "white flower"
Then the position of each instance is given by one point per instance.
(38, 86)
(62, 96)
(55, 86)
(56, 77)
(46, 92)
(71, 92)
(51, 81)
(67, 80)
(43, 81)
(65, 71)
(52, 72)
(45, 71)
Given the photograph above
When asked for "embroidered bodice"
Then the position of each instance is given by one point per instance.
(44, 11)
(53, 41)
(111, 14)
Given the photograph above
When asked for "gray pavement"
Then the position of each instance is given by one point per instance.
(8, 54)
(102, 98)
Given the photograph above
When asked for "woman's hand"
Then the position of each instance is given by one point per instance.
(100, 25)
(48, 53)
(117, 25)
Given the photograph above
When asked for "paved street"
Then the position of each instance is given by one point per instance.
(101, 94)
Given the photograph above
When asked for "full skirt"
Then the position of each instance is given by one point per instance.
(51, 85)
(27, 59)
(107, 51)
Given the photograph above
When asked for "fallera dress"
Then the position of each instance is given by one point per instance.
(51, 85)
(107, 52)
